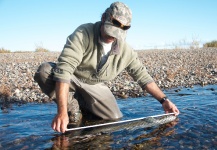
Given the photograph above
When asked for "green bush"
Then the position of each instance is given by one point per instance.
(2, 50)
(210, 44)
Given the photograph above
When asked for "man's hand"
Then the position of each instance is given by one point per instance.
(169, 107)
(155, 91)
(60, 122)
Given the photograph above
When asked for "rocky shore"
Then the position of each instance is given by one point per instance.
(169, 68)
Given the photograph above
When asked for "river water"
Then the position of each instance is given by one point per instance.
(28, 126)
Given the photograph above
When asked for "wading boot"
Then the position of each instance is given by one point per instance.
(74, 112)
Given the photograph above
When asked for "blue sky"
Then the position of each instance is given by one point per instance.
(26, 24)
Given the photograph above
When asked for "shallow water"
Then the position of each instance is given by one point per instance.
(28, 126)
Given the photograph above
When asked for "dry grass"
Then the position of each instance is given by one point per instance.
(5, 92)
(2, 50)
(41, 49)
(210, 44)
(23, 51)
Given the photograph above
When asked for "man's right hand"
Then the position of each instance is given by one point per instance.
(60, 122)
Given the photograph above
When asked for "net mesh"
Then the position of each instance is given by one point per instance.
(133, 125)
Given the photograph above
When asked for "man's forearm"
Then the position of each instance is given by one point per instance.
(62, 91)
(61, 120)
(154, 90)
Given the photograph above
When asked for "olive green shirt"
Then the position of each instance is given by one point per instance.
(82, 54)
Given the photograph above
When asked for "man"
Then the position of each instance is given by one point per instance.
(93, 54)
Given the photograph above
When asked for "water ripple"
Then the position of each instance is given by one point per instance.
(28, 126)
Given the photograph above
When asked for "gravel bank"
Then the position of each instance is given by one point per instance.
(169, 68)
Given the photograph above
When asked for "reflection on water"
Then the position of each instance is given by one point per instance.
(28, 126)
(140, 138)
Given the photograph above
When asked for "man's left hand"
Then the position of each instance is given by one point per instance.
(169, 107)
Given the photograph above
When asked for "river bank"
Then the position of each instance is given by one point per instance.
(169, 68)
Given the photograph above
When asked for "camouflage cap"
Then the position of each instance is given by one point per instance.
(120, 12)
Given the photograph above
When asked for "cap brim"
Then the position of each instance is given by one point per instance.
(114, 31)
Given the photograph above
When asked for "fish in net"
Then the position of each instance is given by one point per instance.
(131, 124)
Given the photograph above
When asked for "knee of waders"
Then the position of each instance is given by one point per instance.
(44, 78)
(44, 71)
(115, 115)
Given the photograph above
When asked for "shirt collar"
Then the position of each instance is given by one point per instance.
(115, 47)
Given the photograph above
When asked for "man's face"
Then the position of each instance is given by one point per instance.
(104, 37)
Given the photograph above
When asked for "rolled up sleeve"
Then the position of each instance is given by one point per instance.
(138, 71)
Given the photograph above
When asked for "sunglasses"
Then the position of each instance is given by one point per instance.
(118, 24)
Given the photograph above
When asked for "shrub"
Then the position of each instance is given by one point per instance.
(41, 49)
(210, 44)
(2, 50)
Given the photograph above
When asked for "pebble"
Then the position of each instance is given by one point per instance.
(169, 68)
